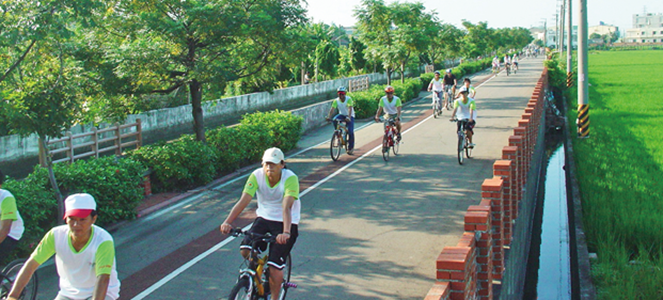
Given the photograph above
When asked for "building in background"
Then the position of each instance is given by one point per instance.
(647, 28)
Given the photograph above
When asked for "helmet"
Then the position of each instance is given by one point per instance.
(437, 72)
(389, 89)
(341, 89)
(448, 70)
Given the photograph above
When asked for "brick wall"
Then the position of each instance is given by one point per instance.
(468, 270)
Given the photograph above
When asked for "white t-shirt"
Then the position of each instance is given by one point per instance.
(463, 109)
(78, 271)
(270, 199)
(9, 211)
(437, 85)
(390, 107)
(343, 106)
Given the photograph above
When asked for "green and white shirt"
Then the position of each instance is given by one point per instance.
(78, 271)
(9, 211)
(463, 109)
(344, 107)
(390, 106)
(270, 199)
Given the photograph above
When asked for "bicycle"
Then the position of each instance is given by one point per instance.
(9, 274)
(508, 69)
(463, 141)
(253, 280)
(388, 141)
(339, 140)
(437, 105)
(449, 90)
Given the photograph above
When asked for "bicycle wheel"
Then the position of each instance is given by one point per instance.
(435, 111)
(396, 147)
(241, 290)
(10, 273)
(385, 148)
(335, 146)
(461, 146)
(507, 71)
(286, 277)
(468, 150)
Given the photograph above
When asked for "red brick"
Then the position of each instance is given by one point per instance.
(439, 291)
(476, 217)
(492, 185)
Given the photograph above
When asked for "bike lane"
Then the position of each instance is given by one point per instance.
(372, 232)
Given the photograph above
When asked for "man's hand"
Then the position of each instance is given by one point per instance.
(282, 238)
(377, 119)
(225, 228)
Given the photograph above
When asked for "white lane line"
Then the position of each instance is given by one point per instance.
(220, 245)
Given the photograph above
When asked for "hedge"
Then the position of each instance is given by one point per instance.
(366, 102)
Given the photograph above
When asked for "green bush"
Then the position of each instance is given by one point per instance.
(238, 146)
(180, 165)
(284, 127)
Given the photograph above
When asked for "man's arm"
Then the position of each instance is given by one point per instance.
(288, 201)
(101, 287)
(236, 210)
(398, 112)
(23, 278)
(377, 114)
(5, 226)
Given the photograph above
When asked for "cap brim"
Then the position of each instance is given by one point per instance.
(79, 213)
(272, 160)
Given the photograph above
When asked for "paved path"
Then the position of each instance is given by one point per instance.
(370, 229)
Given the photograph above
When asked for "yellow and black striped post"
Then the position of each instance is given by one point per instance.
(569, 79)
(583, 121)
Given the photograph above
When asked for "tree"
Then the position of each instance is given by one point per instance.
(171, 43)
(374, 23)
(479, 39)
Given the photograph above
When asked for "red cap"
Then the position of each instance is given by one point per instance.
(79, 205)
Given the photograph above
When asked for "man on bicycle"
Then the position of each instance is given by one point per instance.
(514, 61)
(346, 112)
(392, 108)
(11, 223)
(277, 191)
(450, 83)
(436, 86)
(496, 64)
(466, 109)
(507, 61)
(84, 255)
(467, 83)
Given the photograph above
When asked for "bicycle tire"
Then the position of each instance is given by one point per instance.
(385, 148)
(286, 277)
(241, 290)
(468, 150)
(435, 111)
(461, 146)
(335, 146)
(10, 273)
(396, 147)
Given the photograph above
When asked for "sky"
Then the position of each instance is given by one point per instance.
(499, 13)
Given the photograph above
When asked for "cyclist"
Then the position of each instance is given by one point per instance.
(277, 191)
(467, 83)
(450, 83)
(392, 108)
(514, 60)
(507, 61)
(466, 109)
(436, 86)
(345, 106)
(496, 64)
(84, 255)
(11, 223)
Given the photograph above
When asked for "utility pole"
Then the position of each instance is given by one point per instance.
(583, 86)
(569, 46)
(562, 13)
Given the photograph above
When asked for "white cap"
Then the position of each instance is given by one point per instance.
(463, 89)
(79, 205)
(273, 155)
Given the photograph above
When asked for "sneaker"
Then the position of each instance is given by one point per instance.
(351, 151)
(398, 137)
(471, 145)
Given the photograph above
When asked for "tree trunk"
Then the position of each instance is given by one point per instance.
(402, 72)
(195, 89)
(53, 181)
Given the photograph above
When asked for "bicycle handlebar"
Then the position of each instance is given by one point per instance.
(268, 238)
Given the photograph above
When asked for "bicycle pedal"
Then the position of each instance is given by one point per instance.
(291, 285)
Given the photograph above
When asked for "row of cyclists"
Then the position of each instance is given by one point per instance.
(507, 61)
(85, 253)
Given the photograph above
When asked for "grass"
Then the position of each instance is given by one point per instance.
(620, 173)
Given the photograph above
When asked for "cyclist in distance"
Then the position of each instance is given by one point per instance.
(514, 61)
(466, 109)
(277, 191)
(496, 64)
(450, 83)
(507, 61)
(11, 223)
(84, 255)
(436, 86)
(467, 83)
(345, 106)
(392, 107)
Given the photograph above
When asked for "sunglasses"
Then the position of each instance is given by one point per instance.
(341, 93)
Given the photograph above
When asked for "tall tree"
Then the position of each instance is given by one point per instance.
(374, 22)
(175, 43)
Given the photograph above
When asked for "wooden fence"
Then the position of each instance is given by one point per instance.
(72, 147)
(360, 84)
(430, 68)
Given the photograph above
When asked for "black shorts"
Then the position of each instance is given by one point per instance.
(277, 252)
(6, 248)
(468, 125)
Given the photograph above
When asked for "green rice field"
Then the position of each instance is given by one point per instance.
(620, 172)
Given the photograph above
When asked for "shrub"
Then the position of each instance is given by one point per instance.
(180, 165)
(284, 127)
(238, 146)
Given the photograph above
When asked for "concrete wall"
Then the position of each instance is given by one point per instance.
(19, 154)
(469, 269)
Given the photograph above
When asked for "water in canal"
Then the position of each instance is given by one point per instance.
(549, 266)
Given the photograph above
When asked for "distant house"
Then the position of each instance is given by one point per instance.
(647, 28)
